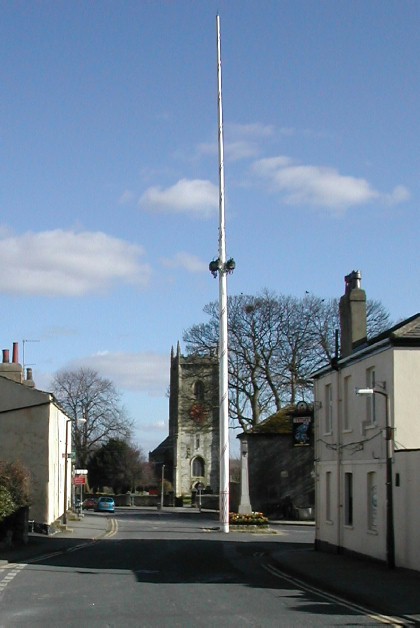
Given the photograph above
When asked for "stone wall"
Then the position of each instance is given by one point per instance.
(281, 475)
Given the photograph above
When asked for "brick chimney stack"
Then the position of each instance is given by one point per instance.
(352, 314)
(12, 370)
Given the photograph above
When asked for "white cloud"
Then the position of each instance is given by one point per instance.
(254, 130)
(196, 197)
(320, 186)
(70, 264)
(159, 426)
(126, 197)
(270, 165)
(138, 372)
(241, 141)
(242, 149)
(185, 261)
(209, 148)
(233, 151)
(398, 195)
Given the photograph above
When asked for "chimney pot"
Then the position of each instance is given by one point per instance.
(5, 356)
(15, 352)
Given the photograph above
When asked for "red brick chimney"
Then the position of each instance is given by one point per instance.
(11, 370)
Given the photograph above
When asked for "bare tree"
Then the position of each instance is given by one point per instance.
(84, 394)
(275, 343)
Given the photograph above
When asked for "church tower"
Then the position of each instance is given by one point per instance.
(194, 422)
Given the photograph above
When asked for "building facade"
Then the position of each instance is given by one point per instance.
(33, 432)
(190, 453)
(359, 439)
(280, 453)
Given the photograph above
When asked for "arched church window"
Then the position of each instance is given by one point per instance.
(198, 467)
(199, 390)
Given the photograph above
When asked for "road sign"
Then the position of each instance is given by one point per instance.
(81, 471)
(79, 480)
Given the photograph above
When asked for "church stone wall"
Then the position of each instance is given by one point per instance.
(194, 422)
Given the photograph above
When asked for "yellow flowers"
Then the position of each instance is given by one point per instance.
(254, 519)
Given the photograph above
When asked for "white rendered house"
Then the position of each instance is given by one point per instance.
(367, 447)
(35, 431)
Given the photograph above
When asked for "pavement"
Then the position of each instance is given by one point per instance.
(76, 530)
(362, 581)
(365, 582)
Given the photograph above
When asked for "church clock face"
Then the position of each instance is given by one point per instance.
(198, 413)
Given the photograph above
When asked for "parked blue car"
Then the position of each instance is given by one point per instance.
(105, 504)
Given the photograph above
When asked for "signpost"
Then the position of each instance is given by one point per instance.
(79, 479)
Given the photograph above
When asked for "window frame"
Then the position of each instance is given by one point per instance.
(348, 499)
(198, 460)
(328, 397)
(347, 427)
(371, 400)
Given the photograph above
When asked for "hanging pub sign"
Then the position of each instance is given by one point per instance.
(302, 429)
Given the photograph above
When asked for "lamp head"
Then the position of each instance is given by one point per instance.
(364, 391)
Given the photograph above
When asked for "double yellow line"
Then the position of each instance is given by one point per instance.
(113, 529)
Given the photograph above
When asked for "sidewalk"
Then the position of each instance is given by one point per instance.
(363, 581)
(85, 528)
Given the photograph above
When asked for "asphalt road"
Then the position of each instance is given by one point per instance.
(167, 569)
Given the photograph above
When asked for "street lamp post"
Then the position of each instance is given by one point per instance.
(162, 484)
(390, 536)
(66, 466)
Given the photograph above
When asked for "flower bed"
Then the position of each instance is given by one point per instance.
(254, 519)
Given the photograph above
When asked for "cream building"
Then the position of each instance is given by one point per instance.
(367, 448)
(33, 432)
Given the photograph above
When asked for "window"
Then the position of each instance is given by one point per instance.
(197, 442)
(328, 408)
(348, 499)
(372, 501)
(371, 401)
(199, 391)
(198, 467)
(328, 496)
(346, 403)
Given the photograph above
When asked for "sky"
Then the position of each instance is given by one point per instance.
(109, 171)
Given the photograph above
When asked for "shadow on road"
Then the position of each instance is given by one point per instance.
(160, 554)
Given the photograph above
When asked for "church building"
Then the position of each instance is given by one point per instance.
(190, 453)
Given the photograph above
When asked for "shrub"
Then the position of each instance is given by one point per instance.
(14, 488)
(7, 505)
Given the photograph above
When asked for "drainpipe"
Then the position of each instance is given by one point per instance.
(339, 463)
(390, 533)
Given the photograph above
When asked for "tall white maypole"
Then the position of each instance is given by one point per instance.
(222, 267)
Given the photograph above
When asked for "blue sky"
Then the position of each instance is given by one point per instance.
(109, 171)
